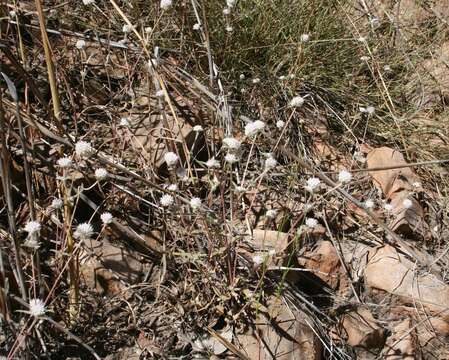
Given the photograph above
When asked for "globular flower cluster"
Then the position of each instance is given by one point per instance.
(313, 184)
(253, 128)
(83, 231)
(166, 200)
(106, 218)
(297, 101)
(32, 227)
(37, 307)
(213, 163)
(83, 149)
(171, 159)
(101, 174)
(195, 203)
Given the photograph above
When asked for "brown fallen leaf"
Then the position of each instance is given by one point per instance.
(397, 186)
(282, 334)
(392, 272)
(325, 263)
(393, 180)
(401, 345)
(109, 268)
(361, 329)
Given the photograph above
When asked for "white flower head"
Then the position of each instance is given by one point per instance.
(226, 11)
(160, 93)
(313, 184)
(240, 189)
(124, 121)
(230, 3)
(57, 203)
(258, 259)
(271, 214)
(196, 26)
(344, 176)
(172, 187)
(358, 156)
(127, 28)
(83, 149)
(280, 124)
(242, 76)
(101, 174)
(88, 2)
(32, 227)
(231, 143)
(181, 173)
(311, 223)
(166, 200)
(64, 162)
(198, 128)
(388, 208)
(229, 28)
(364, 58)
(231, 158)
(417, 185)
(83, 231)
(407, 203)
(165, 4)
(282, 77)
(212, 163)
(37, 307)
(270, 163)
(171, 159)
(148, 29)
(12, 14)
(80, 44)
(256, 80)
(361, 39)
(375, 22)
(297, 101)
(369, 204)
(387, 68)
(254, 127)
(370, 110)
(106, 218)
(195, 203)
(305, 37)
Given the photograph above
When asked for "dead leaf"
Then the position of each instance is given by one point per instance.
(401, 345)
(109, 268)
(392, 272)
(325, 264)
(282, 334)
(393, 180)
(361, 329)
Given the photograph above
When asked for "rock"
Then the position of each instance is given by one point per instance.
(109, 268)
(282, 334)
(362, 330)
(431, 334)
(401, 345)
(392, 272)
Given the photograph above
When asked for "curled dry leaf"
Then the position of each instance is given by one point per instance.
(282, 334)
(361, 329)
(390, 271)
(397, 185)
(325, 264)
(401, 345)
